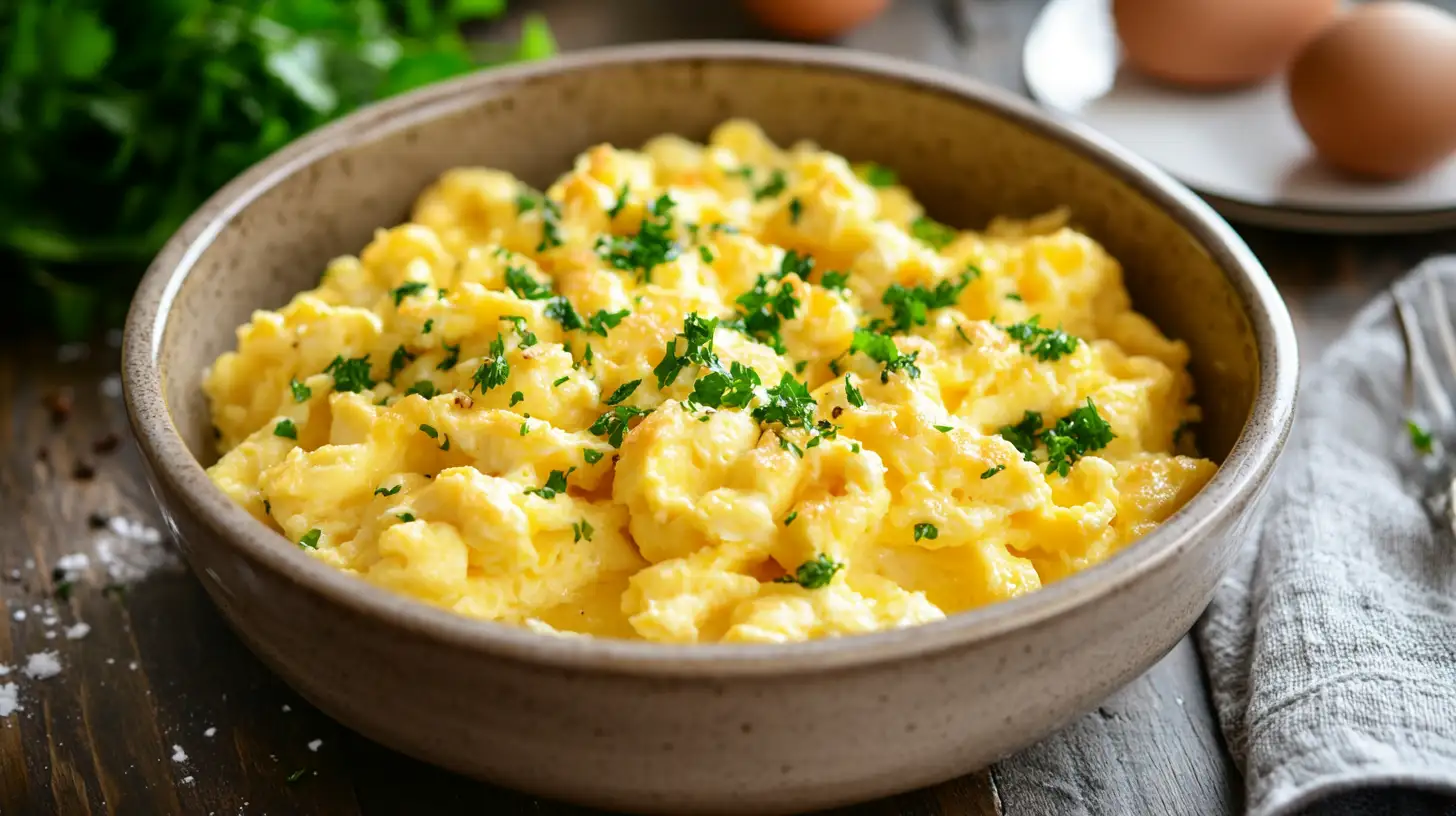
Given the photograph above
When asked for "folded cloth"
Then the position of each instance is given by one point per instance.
(1331, 645)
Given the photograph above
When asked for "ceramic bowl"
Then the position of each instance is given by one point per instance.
(712, 728)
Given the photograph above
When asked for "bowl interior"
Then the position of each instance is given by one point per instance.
(967, 161)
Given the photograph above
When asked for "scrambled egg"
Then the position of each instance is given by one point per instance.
(699, 393)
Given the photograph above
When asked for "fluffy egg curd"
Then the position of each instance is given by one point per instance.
(707, 392)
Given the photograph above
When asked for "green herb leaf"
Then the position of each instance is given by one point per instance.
(495, 370)
(379, 491)
(301, 392)
(796, 210)
(406, 517)
(992, 471)
(705, 253)
(651, 246)
(1421, 439)
(1024, 433)
(591, 456)
(942, 428)
(789, 519)
(581, 529)
(620, 202)
(855, 397)
(555, 483)
(932, 232)
(623, 392)
(350, 375)
(424, 388)
(286, 429)
(1047, 345)
(406, 289)
(777, 182)
(835, 281)
(516, 398)
(1075, 435)
(603, 320)
(310, 539)
(524, 286)
(398, 360)
(452, 356)
(614, 423)
(430, 431)
(910, 306)
(561, 310)
(789, 404)
(881, 348)
(926, 531)
(815, 573)
(878, 175)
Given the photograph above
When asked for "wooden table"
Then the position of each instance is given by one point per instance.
(159, 670)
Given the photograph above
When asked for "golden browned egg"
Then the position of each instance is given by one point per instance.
(813, 19)
(1376, 92)
(1216, 43)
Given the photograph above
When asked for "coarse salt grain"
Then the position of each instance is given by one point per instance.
(50, 620)
(41, 665)
(50, 635)
(4, 670)
(187, 780)
(80, 630)
(132, 665)
(178, 755)
(18, 614)
(314, 746)
(287, 708)
(9, 699)
(209, 732)
(111, 386)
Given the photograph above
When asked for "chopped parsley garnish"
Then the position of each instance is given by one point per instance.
(310, 539)
(591, 456)
(652, 245)
(558, 382)
(763, 313)
(528, 337)
(927, 531)
(297, 775)
(286, 429)
(429, 325)
(992, 471)
(973, 270)
(698, 334)
(525, 202)
(495, 370)
(962, 332)
(406, 517)
(424, 388)
(613, 424)
(800, 366)
(516, 398)
(524, 286)
(855, 397)
(1075, 435)
(430, 431)
(854, 447)
(561, 310)
(379, 491)
(620, 202)
(776, 184)
(796, 210)
(816, 573)
(267, 507)
(942, 428)
(351, 375)
(398, 360)
(796, 264)
(731, 389)
(705, 253)
(1014, 296)
(623, 392)
(1024, 433)
(555, 483)
(406, 289)
(835, 281)
(550, 225)
(932, 232)
(910, 306)
(1421, 439)
(452, 356)
(581, 529)
(878, 175)
(881, 348)
(603, 320)
(444, 446)
(301, 392)
(789, 519)
(525, 427)
(1047, 345)
(586, 356)
(788, 403)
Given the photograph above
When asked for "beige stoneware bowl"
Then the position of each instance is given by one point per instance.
(714, 728)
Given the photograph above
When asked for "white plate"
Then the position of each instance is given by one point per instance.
(1242, 149)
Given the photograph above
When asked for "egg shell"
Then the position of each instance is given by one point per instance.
(813, 19)
(1376, 92)
(1216, 43)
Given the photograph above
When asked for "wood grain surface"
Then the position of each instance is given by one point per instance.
(159, 675)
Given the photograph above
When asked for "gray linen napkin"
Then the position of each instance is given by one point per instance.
(1331, 645)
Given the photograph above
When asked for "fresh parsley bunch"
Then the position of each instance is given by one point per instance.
(118, 117)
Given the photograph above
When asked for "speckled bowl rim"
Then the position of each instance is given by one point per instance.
(1236, 482)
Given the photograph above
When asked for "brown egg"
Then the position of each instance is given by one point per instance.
(1376, 92)
(1216, 43)
(813, 19)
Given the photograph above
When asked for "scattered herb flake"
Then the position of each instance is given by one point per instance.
(380, 491)
(286, 429)
(603, 320)
(1074, 436)
(927, 531)
(351, 375)
(878, 175)
(623, 392)
(516, 398)
(1421, 439)
(776, 184)
(310, 539)
(301, 392)
(452, 356)
(815, 573)
(406, 517)
(651, 246)
(613, 424)
(495, 370)
(992, 471)
(854, 395)
(524, 286)
(796, 210)
(789, 519)
(555, 484)
(1047, 345)
(591, 456)
(407, 289)
(835, 281)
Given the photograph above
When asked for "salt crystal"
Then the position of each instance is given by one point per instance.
(41, 665)
(132, 551)
(314, 746)
(49, 620)
(287, 708)
(80, 630)
(9, 699)
(187, 780)
(111, 661)
(18, 614)
(74, 561)
(111, 386)
(50, 635)
(178, 755)
(30, 563)
(15, 575)
(4, 670)
(132, 665)
(209, 732)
